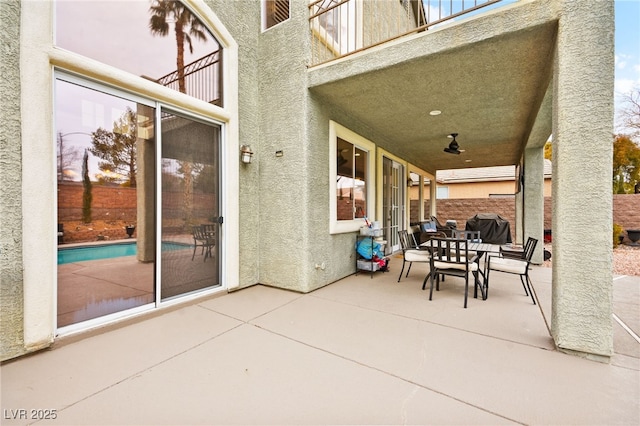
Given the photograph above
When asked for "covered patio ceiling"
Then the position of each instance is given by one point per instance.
(490, 76)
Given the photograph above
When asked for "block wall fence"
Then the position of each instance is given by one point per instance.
(114, 207)
(626, 210)
(118, 205)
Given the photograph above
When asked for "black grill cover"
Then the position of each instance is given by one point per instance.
(493, 228)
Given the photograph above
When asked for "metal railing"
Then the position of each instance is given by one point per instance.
(343, 27)
(202, 78)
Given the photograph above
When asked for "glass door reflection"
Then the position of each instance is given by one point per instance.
(105, 214)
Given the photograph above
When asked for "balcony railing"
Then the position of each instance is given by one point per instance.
(343, 27)
(202, 78)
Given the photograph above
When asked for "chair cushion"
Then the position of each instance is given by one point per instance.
(461, 266)
(513, 266)
(417, 255)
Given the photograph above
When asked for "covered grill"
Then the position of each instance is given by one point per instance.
(493, 228)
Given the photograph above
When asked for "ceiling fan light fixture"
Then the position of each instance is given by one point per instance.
(453, 147)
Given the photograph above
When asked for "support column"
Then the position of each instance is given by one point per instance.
(433, 192)
(533, 191)
(581, 320)
(519, 226)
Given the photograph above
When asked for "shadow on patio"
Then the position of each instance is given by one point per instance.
(360, 351)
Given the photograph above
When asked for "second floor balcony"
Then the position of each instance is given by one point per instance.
(343, 27)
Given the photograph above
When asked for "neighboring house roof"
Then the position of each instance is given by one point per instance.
(484, 174)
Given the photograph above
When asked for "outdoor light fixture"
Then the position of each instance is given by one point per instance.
(453, 148)
(246, 154)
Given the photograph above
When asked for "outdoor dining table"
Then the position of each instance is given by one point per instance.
(475, 246)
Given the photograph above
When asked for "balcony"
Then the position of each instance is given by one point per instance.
(201, 79)
(343, 27)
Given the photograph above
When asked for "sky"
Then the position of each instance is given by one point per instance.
(627, 49)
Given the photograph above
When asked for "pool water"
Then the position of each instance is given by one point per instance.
(107, 251)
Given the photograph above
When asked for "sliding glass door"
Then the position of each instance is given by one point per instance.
(138, 203)
(190, 208)
(105, 203)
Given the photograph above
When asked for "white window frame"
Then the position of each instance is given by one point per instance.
(442, 192)
(338, 131)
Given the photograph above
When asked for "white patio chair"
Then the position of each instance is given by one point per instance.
(515, 266)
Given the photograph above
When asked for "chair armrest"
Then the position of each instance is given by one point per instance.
(511, 253)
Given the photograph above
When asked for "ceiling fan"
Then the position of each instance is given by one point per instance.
(453, 147)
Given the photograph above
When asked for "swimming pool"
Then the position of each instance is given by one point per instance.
(107, 251)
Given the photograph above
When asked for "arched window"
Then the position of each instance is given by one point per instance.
(162, 41)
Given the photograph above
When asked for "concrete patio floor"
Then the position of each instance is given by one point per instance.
(360, 351)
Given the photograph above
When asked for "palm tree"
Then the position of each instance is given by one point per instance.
(186, 26)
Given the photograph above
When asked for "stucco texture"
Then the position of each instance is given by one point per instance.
(11, 289)
(583, 122)
(242, 20)
(284, 200)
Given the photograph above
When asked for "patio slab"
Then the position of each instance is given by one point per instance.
(359, 351)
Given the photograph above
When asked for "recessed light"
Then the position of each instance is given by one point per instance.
(435, 112)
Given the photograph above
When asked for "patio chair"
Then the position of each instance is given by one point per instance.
(201, 239)
(515, 266)
(411, 252)
(451, 257)
(209, 229)
(447, 229)
(515, 252)
(471, 236)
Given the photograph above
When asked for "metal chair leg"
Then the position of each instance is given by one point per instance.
(466, 289)
(526, 292)
(530, 289)
(402, 270)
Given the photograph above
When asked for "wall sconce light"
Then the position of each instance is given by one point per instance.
(246, 154)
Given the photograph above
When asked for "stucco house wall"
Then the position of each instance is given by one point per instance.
(486, 189)
(242, 20)
(11, 290)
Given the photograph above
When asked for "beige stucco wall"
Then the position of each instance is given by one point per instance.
(484, 189)
(242, 20)
(11, 290)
